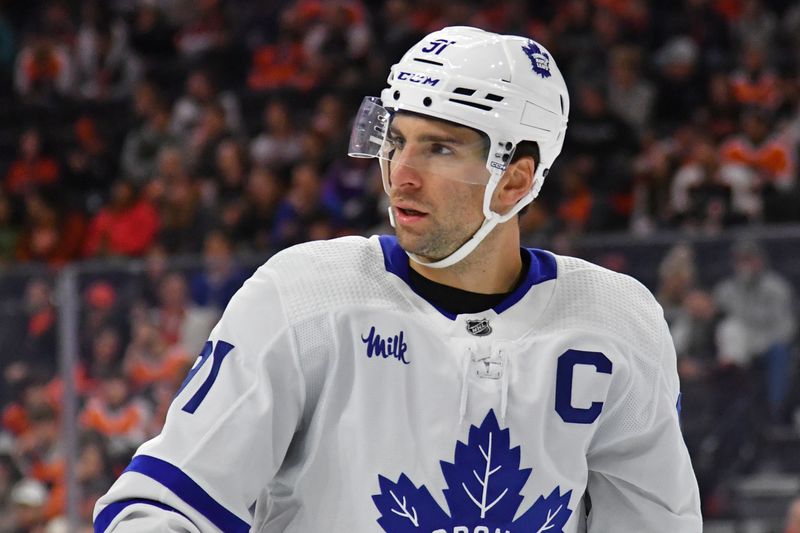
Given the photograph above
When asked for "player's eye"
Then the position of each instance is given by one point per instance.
(395, 142)
(441, 149)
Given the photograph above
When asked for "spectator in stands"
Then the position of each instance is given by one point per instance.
(330, 118)
(149, 359)
(709, 196)
(52, 232)
(759, 149)
(106, 354)
(679, 82)
(221, 276)
(337, 43)
(31, 392)
(172, 307)
(201, 92)
(117, 414)
(184, 220)
(755, 83)
(793, 516)
(630, 96)
(105, 68)
(94, 475)
(653, 168)
(677, 276)
(9, 476)
(282, 64)
(28, 497)
(754, 24)
(303, 202)
(758, 311)
(127, 226)
(41, 448)
(577, 203)
(597, 133)
(171, 167)
(206, 31)
(146, 285)
(89, 164)
(32, 168)
(261, 198)
(152, 38)
(94, 468)
(43, 72)
(8, 44)
(279, 144)
(38, 338)
(719, 117)
(205, 139)
(143, 144)
(9, 230)
(102, 308)
(356, 187)
(230, 174)
(182, 323)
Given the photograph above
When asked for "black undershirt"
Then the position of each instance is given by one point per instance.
(459, 301)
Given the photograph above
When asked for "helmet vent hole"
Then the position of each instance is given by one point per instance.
(396, 95)
(472, 104)
(464, 91)
(428, 61)
(562, 102)
(426, 101)
(494, 97)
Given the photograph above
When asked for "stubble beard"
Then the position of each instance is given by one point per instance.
(437, 243)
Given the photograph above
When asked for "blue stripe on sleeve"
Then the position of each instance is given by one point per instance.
(110, 512)
(187, 490)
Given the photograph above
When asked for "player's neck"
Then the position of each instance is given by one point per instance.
(493, 268)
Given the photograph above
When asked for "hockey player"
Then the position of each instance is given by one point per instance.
(443, 380)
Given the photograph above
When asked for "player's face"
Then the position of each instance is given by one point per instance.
(436, 203)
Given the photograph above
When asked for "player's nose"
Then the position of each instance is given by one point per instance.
(403, 174)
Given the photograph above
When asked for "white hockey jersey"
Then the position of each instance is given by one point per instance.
(333, 398)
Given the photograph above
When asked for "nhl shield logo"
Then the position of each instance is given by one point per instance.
(479, 327)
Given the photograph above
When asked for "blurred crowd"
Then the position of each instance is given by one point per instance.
(156, 129)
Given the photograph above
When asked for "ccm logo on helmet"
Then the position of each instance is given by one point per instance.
(413, 77)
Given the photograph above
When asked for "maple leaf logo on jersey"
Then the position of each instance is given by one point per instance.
(484, 483)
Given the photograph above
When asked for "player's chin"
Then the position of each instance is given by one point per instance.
(411, 241)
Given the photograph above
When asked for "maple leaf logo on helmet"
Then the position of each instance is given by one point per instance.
(540, 61)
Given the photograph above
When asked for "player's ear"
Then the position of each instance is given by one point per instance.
(515, 183)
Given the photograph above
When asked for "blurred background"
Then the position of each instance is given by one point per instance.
(153, 153)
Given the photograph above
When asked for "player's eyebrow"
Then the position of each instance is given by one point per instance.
(428, 137)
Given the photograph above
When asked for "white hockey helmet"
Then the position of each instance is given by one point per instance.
(505, 86)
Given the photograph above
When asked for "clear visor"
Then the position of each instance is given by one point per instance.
(408, 147)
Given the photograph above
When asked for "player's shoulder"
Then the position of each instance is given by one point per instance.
(588, 296)
(321, 276)
(322, 258)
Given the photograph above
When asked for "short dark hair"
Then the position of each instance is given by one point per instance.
(527, 149)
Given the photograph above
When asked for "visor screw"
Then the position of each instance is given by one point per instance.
(505, 158)
(545, 172)
(396, 95)
(509, 145)
(427, 101)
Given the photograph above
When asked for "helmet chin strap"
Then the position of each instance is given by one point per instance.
(464, 250)
(490, 221)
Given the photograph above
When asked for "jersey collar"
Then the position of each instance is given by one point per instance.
(543, 268)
